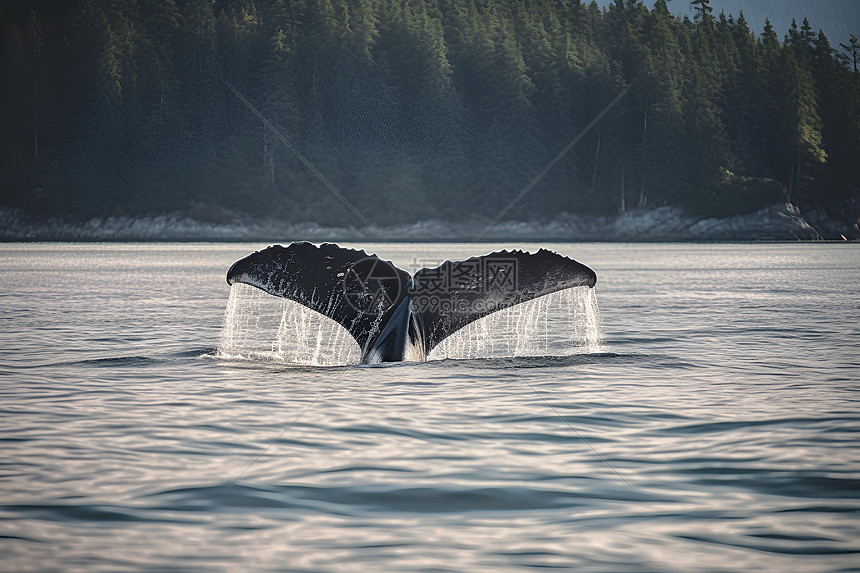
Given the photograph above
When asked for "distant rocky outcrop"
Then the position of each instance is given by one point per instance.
(777, 222)
(836, 222)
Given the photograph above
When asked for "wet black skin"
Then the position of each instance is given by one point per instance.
(392, 315)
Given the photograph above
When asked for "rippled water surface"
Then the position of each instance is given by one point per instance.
(715, 429)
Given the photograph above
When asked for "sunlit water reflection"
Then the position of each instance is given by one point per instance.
(714, 429)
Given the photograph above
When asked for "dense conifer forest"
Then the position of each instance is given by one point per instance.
(417, 109)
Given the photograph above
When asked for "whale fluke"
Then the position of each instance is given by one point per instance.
(320, 277)
(391, 314)
(482, 285)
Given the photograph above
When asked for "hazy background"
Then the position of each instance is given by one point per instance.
(428, 109)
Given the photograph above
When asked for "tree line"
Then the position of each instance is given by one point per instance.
(417, 109)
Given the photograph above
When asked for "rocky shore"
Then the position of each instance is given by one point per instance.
(777, 222)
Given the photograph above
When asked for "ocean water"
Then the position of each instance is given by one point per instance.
(713, 425)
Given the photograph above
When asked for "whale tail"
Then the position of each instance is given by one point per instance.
(391, 314)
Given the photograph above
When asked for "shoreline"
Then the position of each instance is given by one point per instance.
(780, 222)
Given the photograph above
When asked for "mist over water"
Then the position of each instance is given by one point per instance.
(710, 424)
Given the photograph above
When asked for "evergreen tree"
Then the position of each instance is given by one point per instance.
(853, 50)
(703, 10)
(416, 108)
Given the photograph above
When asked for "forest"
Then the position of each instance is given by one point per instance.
(417, 109)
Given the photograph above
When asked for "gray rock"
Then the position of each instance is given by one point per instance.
(778, 222)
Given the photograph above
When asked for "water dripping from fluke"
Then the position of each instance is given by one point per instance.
(258, 326)
(261, 327)
(559, 324)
